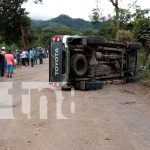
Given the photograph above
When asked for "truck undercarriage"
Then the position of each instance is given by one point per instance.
(86, 62)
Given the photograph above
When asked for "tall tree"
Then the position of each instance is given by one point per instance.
(107, 29)
(116, 6)
(97, 15)
(138, 12)
(141, 28)
(142, 34)
(125, 17)
(14, 22)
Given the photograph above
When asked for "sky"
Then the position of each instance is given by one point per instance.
(74, 8)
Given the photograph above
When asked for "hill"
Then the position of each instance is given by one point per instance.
(76, 24)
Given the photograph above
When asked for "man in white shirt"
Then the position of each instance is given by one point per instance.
(23, 57)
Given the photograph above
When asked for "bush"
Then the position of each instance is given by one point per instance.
(142, 73)
(124, 35)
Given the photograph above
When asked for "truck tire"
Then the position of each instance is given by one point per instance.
(134, 46)
(131, 79)
(96, 40)
(79, 64)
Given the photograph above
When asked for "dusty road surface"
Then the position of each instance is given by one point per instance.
(114, 118)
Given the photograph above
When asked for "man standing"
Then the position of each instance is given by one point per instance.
(23, 57)
(2, 62)
(40, 56)
(27, 57)
(35, 56)
(1, 65)
(9, 60)
(31, 55)
(17, 55)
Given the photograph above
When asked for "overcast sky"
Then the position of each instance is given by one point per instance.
(73, 8)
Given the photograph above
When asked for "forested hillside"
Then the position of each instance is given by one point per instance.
(74, 24)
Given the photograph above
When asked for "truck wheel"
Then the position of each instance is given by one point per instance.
(134, 46)
(96, 40)
(79, 64)
(131, 79)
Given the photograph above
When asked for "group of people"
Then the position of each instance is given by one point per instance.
(28, 57)
(24, 57)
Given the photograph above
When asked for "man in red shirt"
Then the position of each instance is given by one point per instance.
(9, 60)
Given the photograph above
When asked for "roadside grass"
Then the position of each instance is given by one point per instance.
(144, 75)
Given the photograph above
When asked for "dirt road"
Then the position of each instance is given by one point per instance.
(114, 118)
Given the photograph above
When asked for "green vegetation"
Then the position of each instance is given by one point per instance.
(145, 73)
(127, 26)
(77, 25)
(18, 30)
(124, 35)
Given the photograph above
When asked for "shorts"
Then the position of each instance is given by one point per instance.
(10, 68)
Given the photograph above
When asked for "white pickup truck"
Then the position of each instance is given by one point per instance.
(86, 62)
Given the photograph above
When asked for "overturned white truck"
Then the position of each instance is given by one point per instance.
(87, 62)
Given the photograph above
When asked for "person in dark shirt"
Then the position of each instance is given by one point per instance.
(40, 57)
(2, 64)
(17, 57)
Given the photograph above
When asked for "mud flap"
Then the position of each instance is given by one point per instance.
(131, 79)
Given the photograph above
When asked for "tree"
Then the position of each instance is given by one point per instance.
(97, 15)
(14, 24)
(141, 28)
(14, 20)
(138, 12)
(107, 29)
(142, 34)
(121, 19)
(125, 17)
(116, 6)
